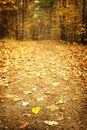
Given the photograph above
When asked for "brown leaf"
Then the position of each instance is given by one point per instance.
(23, 124)
(1, 82)
(52, 107)
(60, 101)
(1, 97)
(13, 97)
(50, 93)
(75, 99)
(51, 122)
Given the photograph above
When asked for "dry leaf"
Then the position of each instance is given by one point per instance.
(33, 89)
(13, 97)
(61, 117)
(27, 92)
(55, 84)
(47, 92)
(61, 101)
(52, 107)
(75, 99)
(23, 124)
(1, 97)
(25, 103)
(1, 82)
(28, 115)
(40, 99)
(16, 99)
(51, 122)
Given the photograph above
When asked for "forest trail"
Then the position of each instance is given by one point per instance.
(43, 85)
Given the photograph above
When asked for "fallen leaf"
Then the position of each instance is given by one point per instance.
(75, 99)
(29, 77)
(25, 103)
(55, 84)
(52, 70)
(23, 124)
(1, 97)
(13, 97)
(50, 93)
(27, 92)
(60, 101)
(1, 82)
(16, 99)
(33, 89)
(51, 122)
(36, 109)
(40, 99)
(61, 117)
(28, 115)
(52, 107)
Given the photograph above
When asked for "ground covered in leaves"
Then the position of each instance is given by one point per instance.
(43, 85)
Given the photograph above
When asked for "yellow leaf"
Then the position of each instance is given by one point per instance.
(61, 101)
(36, 109)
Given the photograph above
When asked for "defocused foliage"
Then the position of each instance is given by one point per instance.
(41, 19)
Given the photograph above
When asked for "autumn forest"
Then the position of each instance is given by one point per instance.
(44, 19)
(43, 64)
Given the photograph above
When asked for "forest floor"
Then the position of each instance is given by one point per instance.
(43, 85)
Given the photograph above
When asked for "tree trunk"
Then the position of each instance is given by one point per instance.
(23, 19)
(50, 22)
(84, 36)
(17, 25)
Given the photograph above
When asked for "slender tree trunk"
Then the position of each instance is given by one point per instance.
(50, 25)
(18, 20)
(23, 19)
(84, 36)
(17, 24)
(50, 19)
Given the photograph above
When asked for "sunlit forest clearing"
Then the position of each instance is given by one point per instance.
(43, 65)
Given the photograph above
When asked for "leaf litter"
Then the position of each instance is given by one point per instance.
(46, 83)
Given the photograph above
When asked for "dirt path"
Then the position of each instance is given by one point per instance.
(43, 86)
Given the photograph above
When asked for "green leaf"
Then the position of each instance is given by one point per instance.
(36, 109)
